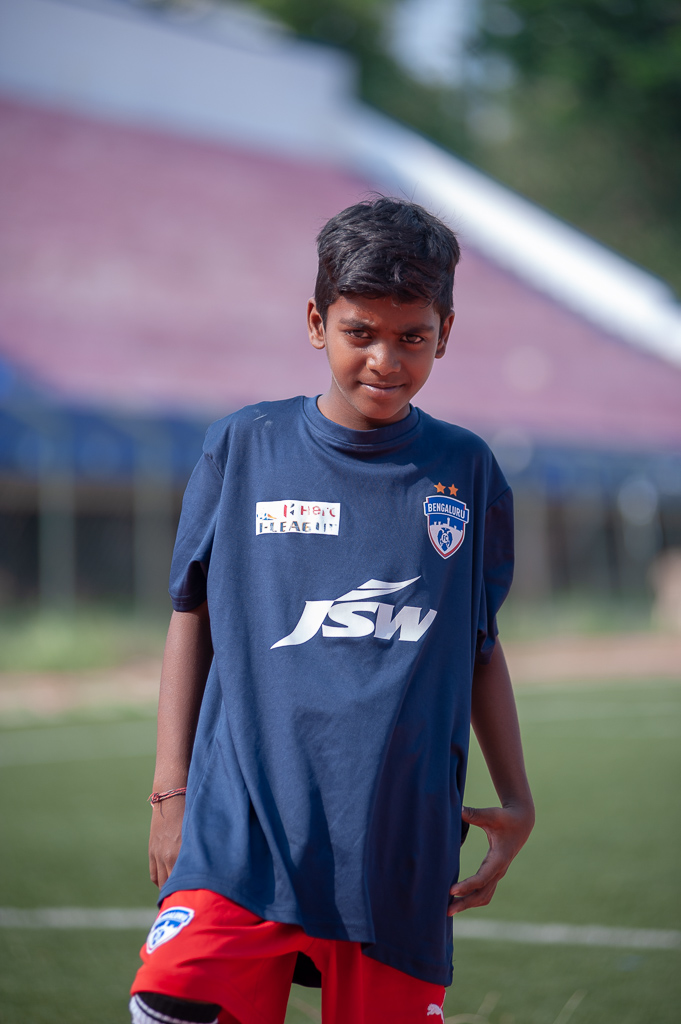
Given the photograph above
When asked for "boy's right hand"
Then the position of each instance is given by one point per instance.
(165, 838)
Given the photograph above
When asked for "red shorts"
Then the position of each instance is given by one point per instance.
(204, 947)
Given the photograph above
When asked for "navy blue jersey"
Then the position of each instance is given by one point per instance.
(353, 578)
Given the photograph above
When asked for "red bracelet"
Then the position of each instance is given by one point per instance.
(156, 798)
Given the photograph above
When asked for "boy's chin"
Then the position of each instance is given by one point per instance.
(382, 407)
(365, 409)
(374, 418)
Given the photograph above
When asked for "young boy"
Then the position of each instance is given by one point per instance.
(337, 573)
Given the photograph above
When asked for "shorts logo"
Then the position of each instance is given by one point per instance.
(435, 1011)
(447, 518)
(167, 925)
(293, 516)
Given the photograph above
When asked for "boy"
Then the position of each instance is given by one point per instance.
(336, 577)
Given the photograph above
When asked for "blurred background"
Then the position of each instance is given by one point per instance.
(164, 169)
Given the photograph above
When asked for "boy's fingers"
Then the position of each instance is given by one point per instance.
(468, 885)
(492, 869)
(483, 817)
(479, 898)
(468, 814)
(162, 875)
(476, 883)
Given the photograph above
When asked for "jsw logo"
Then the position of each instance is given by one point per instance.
(351, 612)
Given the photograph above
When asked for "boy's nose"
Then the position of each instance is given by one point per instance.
(383, 358)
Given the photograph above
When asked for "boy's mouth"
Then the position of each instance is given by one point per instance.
(378, 386)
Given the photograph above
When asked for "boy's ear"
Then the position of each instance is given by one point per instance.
(315, 325)
(445, 331)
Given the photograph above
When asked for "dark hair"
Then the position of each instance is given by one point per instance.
(384, 248)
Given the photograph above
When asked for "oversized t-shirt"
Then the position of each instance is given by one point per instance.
(353, 578)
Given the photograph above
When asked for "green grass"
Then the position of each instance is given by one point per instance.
(534, 983)
(90, 637)
(574, 615)
(604, 765)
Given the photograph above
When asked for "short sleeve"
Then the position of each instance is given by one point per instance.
(194, 543)
(497, 571)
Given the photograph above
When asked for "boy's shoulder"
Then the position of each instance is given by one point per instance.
(246, 421)
(252, 417)
(465, 447)
(452, 435)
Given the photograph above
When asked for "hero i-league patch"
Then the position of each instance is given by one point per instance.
(167, 925)
(293, 516)
(446, 520)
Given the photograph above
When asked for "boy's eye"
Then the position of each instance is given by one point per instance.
(413, 338)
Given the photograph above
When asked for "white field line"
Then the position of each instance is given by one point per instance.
(78, 917)
(568, 934)
(506, 931)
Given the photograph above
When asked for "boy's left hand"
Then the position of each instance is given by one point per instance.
(507, 830)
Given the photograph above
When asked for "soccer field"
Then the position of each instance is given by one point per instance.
(604, 764)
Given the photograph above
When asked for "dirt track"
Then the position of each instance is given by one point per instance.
(580, 659)
(559, 662)
(52, 693)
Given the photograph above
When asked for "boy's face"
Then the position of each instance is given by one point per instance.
(380, 355)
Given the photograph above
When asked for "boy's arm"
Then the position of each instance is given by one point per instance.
(186, 662)
(495, 722)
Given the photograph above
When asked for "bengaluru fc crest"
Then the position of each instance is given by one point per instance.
(167, 925)
(447, 518)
